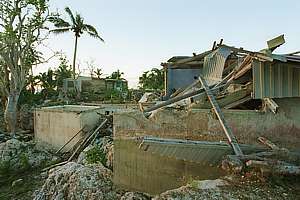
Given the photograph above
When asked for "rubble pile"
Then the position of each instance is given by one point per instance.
(276, 161)
(18, 156)
(76, 181)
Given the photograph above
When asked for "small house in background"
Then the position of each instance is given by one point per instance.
(95, 85)
(116, 84)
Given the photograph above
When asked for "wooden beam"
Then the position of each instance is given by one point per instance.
(236, 103)
(271, 104)
(231, 138)
(268, 143)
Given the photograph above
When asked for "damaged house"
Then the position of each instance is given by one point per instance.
(244, 94)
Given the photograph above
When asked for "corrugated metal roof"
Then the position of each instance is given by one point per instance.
(293, 58)
(214, 65)
(207, 153)
(275, 79)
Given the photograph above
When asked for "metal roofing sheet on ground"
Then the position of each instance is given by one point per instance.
(207, 153)
(275, 80)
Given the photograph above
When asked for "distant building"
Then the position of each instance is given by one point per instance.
(95, 85)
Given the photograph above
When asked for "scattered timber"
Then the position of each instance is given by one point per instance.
(279, 168)
(87, 140)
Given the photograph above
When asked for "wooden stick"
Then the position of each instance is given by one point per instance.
(69, 140)
(268, 143)
(78, 148)
(238, 102)
(86, 140)
(55, 165)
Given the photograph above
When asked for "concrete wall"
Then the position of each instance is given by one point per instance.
(202, 124)
(144, 171)
(56, 125)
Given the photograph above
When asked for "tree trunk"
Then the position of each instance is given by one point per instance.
(74, 58)
(11, 112)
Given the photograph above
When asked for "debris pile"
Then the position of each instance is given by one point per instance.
(16, 156)
(76, 181)
(238, 78)
(277, 161)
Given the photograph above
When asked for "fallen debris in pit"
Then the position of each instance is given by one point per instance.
(277, 161)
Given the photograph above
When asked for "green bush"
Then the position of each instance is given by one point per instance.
(96, 155)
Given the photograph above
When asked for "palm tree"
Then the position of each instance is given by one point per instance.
(75, 25)
(98, 73)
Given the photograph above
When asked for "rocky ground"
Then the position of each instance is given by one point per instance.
(236, 188)
(20, 164)
(90, 177)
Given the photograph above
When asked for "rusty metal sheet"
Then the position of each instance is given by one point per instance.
(275, 79)
(214, 65)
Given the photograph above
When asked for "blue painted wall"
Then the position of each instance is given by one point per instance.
(178, 78)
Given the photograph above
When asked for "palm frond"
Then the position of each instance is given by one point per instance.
(79, 19)
(59, 22)
(68, 10)
(61, 30)
(92, 31)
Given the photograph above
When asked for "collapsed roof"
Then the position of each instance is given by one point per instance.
(237, 76)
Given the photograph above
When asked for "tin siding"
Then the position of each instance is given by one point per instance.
(275, 80)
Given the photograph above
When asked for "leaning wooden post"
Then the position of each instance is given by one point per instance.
(231, 138)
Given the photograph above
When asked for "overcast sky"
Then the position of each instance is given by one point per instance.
(141, 34)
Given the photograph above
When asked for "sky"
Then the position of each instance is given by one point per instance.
(141, 34)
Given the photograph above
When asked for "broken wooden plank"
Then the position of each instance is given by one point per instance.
(273, 167)
(238, 102)
(54, 165)
(231, 138)
(232, 97)
(268, 143)
(271, 104)
(243, 71)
